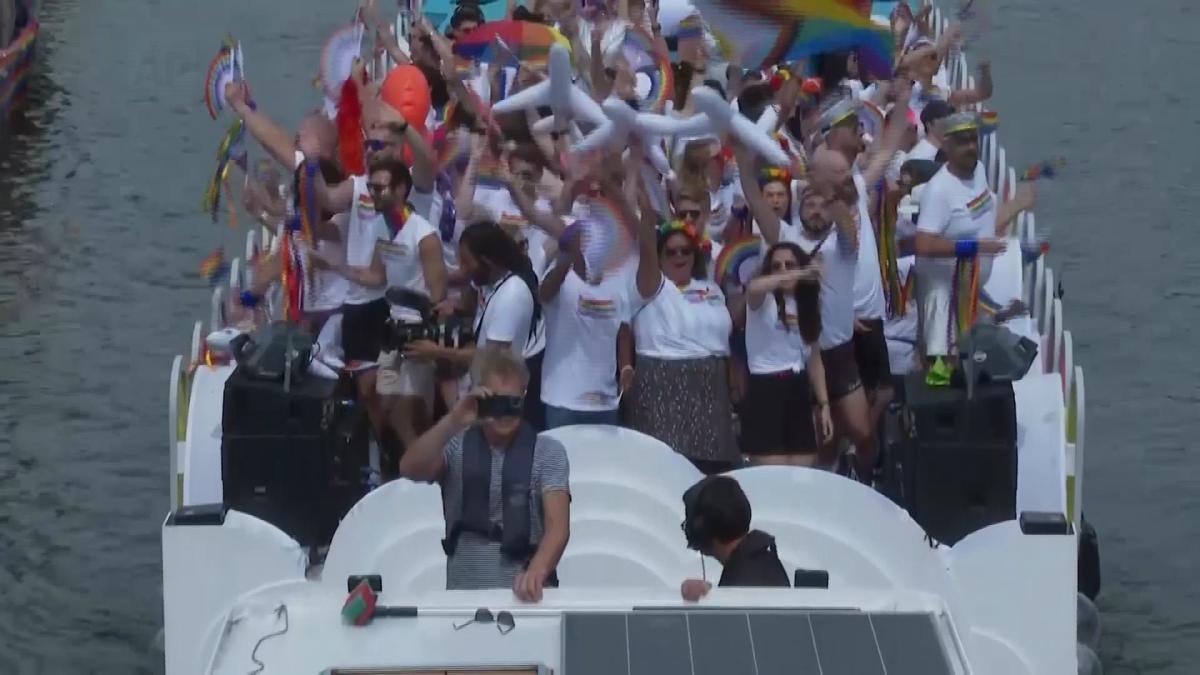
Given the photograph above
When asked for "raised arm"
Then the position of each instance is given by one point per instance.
(768, 223)
(893, 136)
(649, 274)
(273, 138)
(981, 92)
(464, 199)
(382, 35)
(424, 169)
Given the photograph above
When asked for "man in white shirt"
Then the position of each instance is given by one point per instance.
(843, 134)
(928, 147)
(960, 228)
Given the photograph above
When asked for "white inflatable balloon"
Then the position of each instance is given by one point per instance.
(566, 101)
(725, 120)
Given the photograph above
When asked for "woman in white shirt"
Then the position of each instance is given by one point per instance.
(680, 394)
(787, 404)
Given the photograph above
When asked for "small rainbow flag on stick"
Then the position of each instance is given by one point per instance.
(988, 121)
(214, 268)
(1046, 169)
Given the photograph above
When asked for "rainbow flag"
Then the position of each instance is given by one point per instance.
(214, 268)
(800, 29)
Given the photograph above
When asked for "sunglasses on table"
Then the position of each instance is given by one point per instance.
(505, 623)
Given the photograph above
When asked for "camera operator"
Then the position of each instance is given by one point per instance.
(508, 309)
(717, 523)
(410, 258)
(505, 490)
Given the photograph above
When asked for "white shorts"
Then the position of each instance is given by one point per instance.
(404, 377)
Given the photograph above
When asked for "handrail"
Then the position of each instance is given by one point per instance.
(173, 419)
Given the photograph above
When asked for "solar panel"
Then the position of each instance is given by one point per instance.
(756, 642)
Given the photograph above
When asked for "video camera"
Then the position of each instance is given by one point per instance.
(412, 319)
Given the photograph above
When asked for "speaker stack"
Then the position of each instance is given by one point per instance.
(959, 457)
(293, 457)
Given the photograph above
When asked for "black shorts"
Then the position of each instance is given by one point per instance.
(778, 415)
(363, 328)
(841, 371)
(871, 353)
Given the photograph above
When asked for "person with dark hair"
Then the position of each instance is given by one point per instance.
(410, 259)
(681, 328)
(508, 311)
(929, 146)
(466, 18)
(786, 414)
(716, 523)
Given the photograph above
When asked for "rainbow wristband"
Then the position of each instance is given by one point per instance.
(248, 299)
(966, 248)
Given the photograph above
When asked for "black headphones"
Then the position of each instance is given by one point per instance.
(695, 527)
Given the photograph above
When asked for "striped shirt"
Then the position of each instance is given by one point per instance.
(477, 562)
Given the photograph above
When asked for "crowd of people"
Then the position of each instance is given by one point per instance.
(862, 243)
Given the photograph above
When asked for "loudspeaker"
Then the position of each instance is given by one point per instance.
(292, 458)
(959, 457)
(992, 353)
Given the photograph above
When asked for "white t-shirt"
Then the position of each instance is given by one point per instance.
(923, 150)
(366, 227)
(324, 289)
(955, 209)
(901, 331)
(682, 323)
(582, 321)
(402, 258)
(505, 311)
(771, 346)
(839, 263)
(327, 289)
(869, 302)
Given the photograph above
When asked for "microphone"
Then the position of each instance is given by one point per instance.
(361, 607)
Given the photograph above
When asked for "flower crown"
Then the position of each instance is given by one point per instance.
(771, 174)
(699, 239)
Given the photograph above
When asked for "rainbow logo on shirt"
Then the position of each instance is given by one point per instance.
(977, 206)
(696, 295)
(391, 250)
(365, 203)
(600, 308)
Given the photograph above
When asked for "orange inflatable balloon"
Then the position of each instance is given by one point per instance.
(406, 91)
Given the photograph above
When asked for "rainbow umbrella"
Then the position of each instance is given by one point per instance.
(791, 30)
(510, 43)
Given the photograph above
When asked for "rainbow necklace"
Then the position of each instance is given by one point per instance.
(397, 219)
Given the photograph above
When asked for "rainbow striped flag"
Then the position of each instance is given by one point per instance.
(800, 29)
(214, 268)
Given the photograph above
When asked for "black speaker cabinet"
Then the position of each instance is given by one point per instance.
(292, 458)
(959, 457)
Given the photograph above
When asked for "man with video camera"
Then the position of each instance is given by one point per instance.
(505, 490)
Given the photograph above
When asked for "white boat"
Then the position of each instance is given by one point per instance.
(240, 596)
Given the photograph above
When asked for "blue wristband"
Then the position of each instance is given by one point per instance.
(966, 248)
(248, 299)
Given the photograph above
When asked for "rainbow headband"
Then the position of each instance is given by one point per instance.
(960, 122)
(772, 174)
(700, 239)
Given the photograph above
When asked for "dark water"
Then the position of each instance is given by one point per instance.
(100, 237)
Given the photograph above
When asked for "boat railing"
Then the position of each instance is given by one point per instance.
(1038, 292)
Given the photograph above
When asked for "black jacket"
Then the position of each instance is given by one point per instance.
(755, 562)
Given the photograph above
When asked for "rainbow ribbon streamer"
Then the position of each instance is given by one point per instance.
(310, 211)
(213, 268)
(1046, 169)
(231, 152)
(964, 300)
(889, 266)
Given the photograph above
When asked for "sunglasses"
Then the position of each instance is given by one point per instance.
(690, 215)
(378, 188)
(674, 251)
(374, 145)
(505, 623)
(527, 176)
